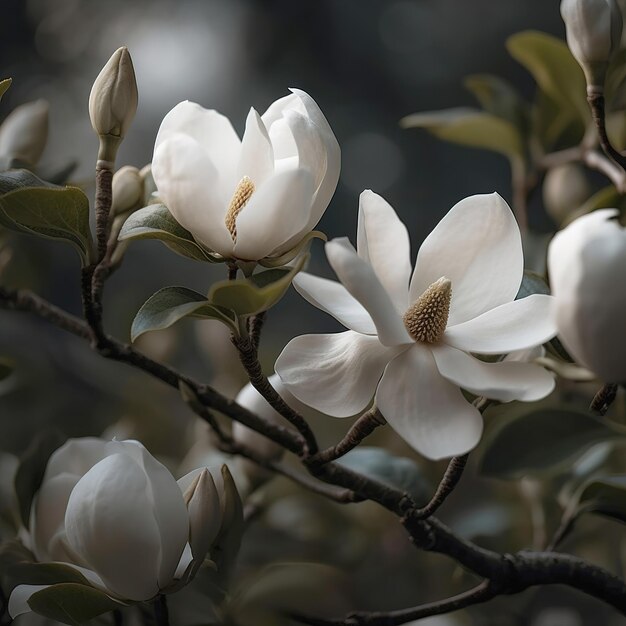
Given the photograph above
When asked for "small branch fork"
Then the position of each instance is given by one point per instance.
(501, 573)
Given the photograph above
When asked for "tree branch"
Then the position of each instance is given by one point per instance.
(447, 485)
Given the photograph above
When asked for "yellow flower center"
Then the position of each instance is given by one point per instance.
(243, 193)
(426, 319)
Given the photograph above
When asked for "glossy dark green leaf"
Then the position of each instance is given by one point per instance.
(170, 304)
(4, 85)
(259, 292)
(26, 573)
(472, 128)
(554, 68)
(32, 468)
(527, 441)
(30, 205)
(156, 222)
(398, 472)
(71, 603)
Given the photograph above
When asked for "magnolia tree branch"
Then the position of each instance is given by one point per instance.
(596, 104)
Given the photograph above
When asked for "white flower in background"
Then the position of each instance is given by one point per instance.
(254, 197)
(586, 263)
(24, 133)
(419, 333)
(594, 31)
(112, 511)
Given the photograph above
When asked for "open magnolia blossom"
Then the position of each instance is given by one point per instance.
(411, 339)
(586, 262)
(114, 513)
(253, 197)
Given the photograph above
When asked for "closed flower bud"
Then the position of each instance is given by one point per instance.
(24, 133)
(113, 102)
(127, 190)
(586, 264)
(594, 31)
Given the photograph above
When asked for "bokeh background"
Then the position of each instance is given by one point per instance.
(367, 63)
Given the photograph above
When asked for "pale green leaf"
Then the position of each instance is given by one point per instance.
(259, 292)
(470, 127)
(528, 441)
(170, 304)
(397, 472)
(554, 68)
(4, 85)
(156, 222)
(71, 603)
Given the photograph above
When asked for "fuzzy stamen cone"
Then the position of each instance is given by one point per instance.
(240, 198)
(427, 318)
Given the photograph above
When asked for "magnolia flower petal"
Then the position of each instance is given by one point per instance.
(275, 110)
(383, 241)
(47, 517)
(333, 298)
(185, 560)
(18, 602)
(186, 179)
(205, 516)
(212, 130)
(336, 374)
(110, 522)
(168, 508)
(328, 184)
(513, 326)
(478, 246)
(76, 456)
(277, 210)
(257, 155)
(360, 280)
(503, 381)
(425, 409)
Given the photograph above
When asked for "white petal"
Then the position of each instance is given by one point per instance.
(277, 210)
(183, 564)
(275, 110)
(336, 374)
(76, 456)
(168, 508)
(503, 381)
(18, 602)
(186, 180)
(383, 241)
(110, 523)
(333, 298)
(48, 513)
(513, 326)
(205, 515)
(328, 184)
(256, 159)
(478, 246)
(212, 130)
(360, 280)
(425, 409)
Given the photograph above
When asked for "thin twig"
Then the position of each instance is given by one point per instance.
(603, 399)
(447, 485)
(596, 104)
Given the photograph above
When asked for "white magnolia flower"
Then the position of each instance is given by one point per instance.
(411, 339)
(253, 197)
(586, 263)
(113, 512)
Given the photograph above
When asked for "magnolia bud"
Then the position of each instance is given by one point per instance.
(205, 518)
(24, 133)
(586, 264)
(594, 31)
(565, 189)
(127, 190)
(113, 102)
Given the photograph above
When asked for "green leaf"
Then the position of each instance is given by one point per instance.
(4, 85)
(535, 442)
(500, 98)
(24, 573)
(170, 304)
(604, 496)
(6, 368)
(259, 292)
(156, 222)
(554, 68)
(398, 472)
(32, 468)
(71, 603)
(470, 127)
(30, 205)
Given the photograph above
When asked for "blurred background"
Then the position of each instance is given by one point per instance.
(367, 64)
